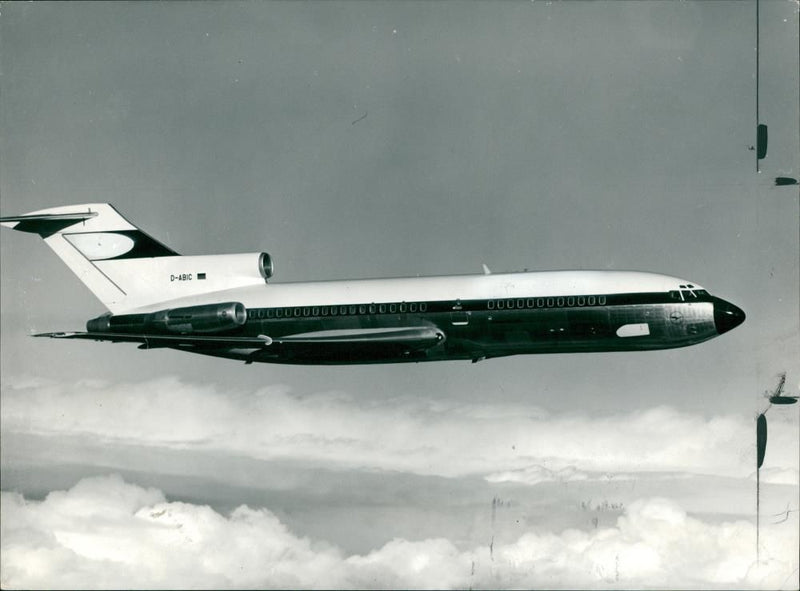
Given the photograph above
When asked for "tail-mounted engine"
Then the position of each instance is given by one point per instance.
(265, 266)
(209, 318)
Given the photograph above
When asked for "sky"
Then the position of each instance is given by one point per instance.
(355, 139)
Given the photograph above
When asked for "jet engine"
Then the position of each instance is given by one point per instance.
(265, 266)
(208, 318)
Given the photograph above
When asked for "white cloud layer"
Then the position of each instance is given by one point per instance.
(417, 433)
(106, 533)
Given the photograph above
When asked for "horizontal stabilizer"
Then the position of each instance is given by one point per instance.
(46, 224)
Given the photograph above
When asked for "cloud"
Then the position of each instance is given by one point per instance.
(427, 436)
(537, 474)
(103, 531)
(789, 476)
(106, 533)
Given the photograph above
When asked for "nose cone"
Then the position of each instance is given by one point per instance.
(727, 316)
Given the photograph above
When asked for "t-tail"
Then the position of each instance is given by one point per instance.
(127, 269)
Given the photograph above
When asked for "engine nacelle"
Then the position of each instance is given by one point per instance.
(265, 265)
(208, 318)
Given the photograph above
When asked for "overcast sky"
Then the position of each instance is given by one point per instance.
(356, 139)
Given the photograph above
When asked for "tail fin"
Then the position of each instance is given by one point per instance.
(125, 268)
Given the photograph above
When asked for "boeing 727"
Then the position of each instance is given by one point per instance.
(226, 306)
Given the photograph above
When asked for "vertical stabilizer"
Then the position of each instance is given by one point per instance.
(127, 269)
(86, 237)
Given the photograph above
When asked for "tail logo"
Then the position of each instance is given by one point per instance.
(97, 246)
(124, 244)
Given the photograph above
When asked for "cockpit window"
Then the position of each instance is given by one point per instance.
(687, 292)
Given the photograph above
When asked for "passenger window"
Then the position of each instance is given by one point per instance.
(412, 308)
(581, 300)
(540, 302)
(392, 308)
(403, 307)
(352, 310)
(560, 302)
(602, 300)
(490, 304)
(570, 301)
(591, 300)
(501, 304)
(423, 306)
(382, 308)
(362, 309)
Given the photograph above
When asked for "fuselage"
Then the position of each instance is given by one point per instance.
(226, 306)
(477, 316)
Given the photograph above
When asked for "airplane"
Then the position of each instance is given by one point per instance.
(227, 306)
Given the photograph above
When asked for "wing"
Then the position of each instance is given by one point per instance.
(153, 341)
(313, 343)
